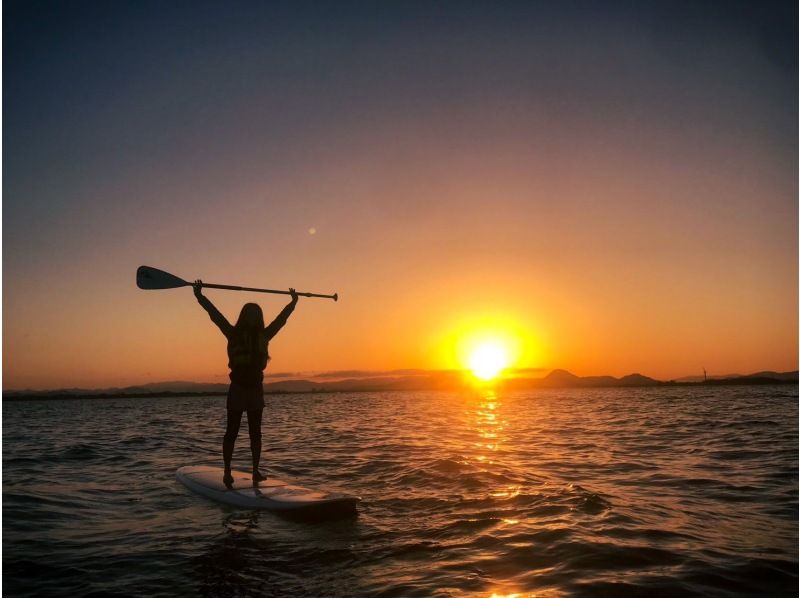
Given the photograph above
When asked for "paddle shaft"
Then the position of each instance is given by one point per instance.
(150, 278)
(228, 287)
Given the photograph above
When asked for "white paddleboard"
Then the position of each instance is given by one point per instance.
(271, 494)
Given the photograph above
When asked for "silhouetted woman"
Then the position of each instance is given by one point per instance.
(247, 358)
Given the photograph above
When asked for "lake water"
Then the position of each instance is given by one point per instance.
(629, 492)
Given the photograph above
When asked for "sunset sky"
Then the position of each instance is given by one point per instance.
(611, 187)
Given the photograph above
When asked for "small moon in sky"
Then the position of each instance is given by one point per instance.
(312, 231)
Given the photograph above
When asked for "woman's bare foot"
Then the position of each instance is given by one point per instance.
(227, 478)
(258, 476)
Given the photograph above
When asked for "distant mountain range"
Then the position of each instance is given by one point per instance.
(404, 380)
(788, 376)
(565, 379)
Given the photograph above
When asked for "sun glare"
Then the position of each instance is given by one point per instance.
(488, 359)
(489, 346)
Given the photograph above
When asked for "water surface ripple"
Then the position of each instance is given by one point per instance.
(634, 492)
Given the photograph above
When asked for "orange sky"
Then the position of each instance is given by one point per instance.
(643, 221)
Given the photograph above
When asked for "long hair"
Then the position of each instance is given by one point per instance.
(247, 309)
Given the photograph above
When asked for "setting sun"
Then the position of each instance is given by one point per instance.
(488, 359)
(490, 345)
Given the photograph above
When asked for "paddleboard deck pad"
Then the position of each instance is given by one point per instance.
(271, 494)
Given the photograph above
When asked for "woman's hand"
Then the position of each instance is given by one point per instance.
(293, 293)
(198, 288)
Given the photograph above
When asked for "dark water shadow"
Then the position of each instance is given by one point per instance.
(269, 554)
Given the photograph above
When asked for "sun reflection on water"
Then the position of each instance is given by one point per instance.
(489, 425)
(507, 493)
(543, 594)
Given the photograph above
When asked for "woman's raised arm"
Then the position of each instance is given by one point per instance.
(278, 322)
(215, 315)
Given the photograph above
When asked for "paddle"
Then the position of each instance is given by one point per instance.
(152, 279)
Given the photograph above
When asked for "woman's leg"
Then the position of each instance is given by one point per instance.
(231, 432)
(254, 427)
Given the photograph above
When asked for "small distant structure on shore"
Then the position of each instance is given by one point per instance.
(705, 375)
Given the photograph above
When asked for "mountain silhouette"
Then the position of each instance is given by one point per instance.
(565, 379)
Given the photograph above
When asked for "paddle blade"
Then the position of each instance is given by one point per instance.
(153, 278)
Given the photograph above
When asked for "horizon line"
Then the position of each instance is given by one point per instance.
(358, 374)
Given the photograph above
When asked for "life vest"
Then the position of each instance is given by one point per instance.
(247, 348)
